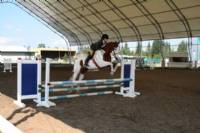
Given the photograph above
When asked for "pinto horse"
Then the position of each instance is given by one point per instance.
(101, 58)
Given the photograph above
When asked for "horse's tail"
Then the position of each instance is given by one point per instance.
(81, 63)
(83, 68)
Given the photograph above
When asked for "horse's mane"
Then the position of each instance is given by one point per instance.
(110, 46)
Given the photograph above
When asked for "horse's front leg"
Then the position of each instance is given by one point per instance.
(116, 67)
(111, 68)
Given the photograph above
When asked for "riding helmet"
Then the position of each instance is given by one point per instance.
(104, 36)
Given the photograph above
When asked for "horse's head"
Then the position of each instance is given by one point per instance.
(109, 47)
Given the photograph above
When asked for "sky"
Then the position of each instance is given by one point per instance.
(20, 30)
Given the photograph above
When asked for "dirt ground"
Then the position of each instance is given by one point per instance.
(169, 103)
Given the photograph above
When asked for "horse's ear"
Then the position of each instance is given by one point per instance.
(117, 42)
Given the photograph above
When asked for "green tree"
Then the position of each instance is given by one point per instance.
(148, 51)
(125, 50)
(166, 49)
(65, 57)
(182, 47)
(139, 49)
(156, 48)
(41, 45)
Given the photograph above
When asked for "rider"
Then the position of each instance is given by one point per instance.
(97, 46)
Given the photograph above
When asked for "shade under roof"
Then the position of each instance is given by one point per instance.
(84, 21)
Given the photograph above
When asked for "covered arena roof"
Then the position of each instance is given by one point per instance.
(83, 21)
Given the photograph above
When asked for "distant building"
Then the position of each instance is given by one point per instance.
(53, 52)
(56, 54)
(179, 60)
(14, 54)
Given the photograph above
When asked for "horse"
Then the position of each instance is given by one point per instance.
(102, 58)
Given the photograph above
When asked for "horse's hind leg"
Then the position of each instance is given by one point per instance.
(75, 75)
(81, 76)
(77, 69)
(82, 72)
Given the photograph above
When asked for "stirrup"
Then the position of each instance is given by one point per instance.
(86, 65)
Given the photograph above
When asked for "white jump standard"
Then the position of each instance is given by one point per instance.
(28, 79)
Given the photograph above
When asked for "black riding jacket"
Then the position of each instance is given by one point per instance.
(97, 45)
